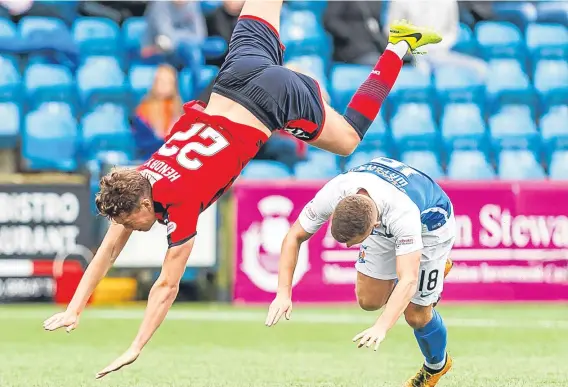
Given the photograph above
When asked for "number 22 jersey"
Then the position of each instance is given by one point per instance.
(201, 158)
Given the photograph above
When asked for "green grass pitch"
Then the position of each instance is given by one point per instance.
(215, 346)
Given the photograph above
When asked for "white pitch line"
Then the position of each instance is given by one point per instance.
(297, 316)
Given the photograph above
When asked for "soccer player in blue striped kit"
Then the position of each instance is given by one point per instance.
(406, 227)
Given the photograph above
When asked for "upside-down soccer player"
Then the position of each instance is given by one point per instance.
(208, 147)
(406, 227)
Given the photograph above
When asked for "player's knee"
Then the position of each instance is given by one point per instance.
(417, 316)
(370, 302)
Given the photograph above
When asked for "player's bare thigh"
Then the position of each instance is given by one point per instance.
(337, 135)
(372, 293)
(223, 106)
(267, 10)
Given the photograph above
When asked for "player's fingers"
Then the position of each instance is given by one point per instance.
(289, 313)
(279, 315)
(271, 316)
(377, 345)
(71, 327)
(372, 339)
(359, 335)
(50, 320)
(363, 340)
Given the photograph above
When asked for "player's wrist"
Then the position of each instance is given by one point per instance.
(284, 291)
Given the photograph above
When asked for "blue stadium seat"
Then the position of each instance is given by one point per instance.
(100, 80)
(36, 27)
(315, 65)
(316, 7)
(455, 84)
(412, 85)
(519, 165)
(552, 12)
(424, 161)
(9, 125)
(7, 29)
(500, 40)
(97, 36)
(141, 79)
(465, 43)
(361, 157)
(558, 169)
(133, 31)
(554, 129)
(265, 170)
(514, 128)
(507, 83)
(345, 79)
(10, 80)
(413, 128)
(518, 13)
(186, 87)
(470, 165)
(44, 83)
(463, 127)
(547, 41)
(303, 34)
(106, 129)
(53, 149)
(320, 165)
(210, 5)
(551, 82)
(206, 76)
(377, 137)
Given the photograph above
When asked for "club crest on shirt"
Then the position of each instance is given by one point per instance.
(171, 227)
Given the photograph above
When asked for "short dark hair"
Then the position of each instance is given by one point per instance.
(121, 191)
(352, 217)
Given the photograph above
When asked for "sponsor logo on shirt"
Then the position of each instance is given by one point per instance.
(404, 242)
(310, 213)
(171, 227)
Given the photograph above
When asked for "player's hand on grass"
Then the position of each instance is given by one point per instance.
(281, 306)
(66, 319)
(125, 359)
(372, 336)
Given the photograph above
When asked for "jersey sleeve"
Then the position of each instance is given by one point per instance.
(407, 231)
(181, 223)
(320, 208)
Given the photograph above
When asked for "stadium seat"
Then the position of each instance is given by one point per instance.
(554, 129)
(50, 33)
(45, 83)
(315, 65)
(100, 80)
(345, 79)
(514, 128)
(97, 36)
(106, 129)
(552, 12)
(316, 7)
(302, 34)
(36, 27)
(361, 157)
(412, 85)
(547, 41)
(7, 29)
(424, 161)
(463, 127)
(470, 165)
(209, 6)
(53, 149)
(9, 125)
(206, 76)
(465, 43)
(507, 83)
(455, 84)
(551, 75)
(10, 80)
(265, 170)
(518, 13)
(186, 87)
(519, 165)
(413, 128)
(133, 31)
(558, 167)
(376, 137)
(499, 40)
(141, 78)
(320, 165)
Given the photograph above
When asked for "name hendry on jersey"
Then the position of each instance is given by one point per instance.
(163, 169)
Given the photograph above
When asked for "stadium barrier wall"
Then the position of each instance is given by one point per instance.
(511, 244)
(46, 237)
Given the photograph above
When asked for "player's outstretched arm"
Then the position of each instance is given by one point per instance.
(162, 296)
(111, 246)
(282, 304)
(407, 267)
